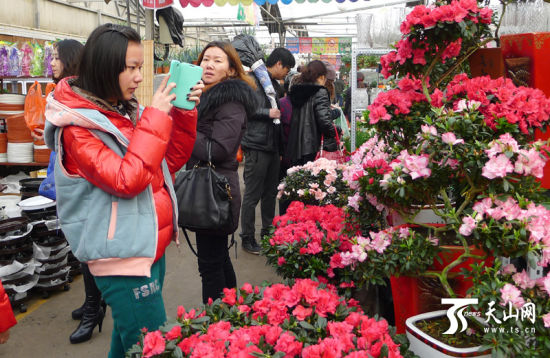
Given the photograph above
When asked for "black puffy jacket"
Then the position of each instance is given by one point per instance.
(311, 118)
(261, 133)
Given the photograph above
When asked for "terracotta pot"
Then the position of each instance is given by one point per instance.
(426, 346)
(487, 61)
(42, 155)
(18, 132)
(3, 142)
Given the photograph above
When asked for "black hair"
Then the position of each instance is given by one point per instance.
(68, 52)
(312, 71)
(104, 58)
(283, 55)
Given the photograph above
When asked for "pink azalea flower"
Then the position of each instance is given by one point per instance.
(510, 293)
(450, 138)
(417, 165)
(429, 130)
(509, 269)
(281, 261)
(468, 225)
(523, 281)
(301, 313)
(546, 320)
(497, 167)
(174, 333)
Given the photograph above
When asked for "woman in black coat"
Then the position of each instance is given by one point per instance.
(312, 115)
(227, 102)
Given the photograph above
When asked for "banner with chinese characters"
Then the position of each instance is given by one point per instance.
(305, 44)
(331, 45)
(344, 45)
(157, 4)
(293, 44)
(318, 45)
(334, 60)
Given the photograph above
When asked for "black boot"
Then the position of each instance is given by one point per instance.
(92, 312)
(250, 245)
(77, 313)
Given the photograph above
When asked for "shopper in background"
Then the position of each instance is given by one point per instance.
(262, 151)
(312, 116)
(339, 86)
(115, 199)
(347, 95)
(227, 103)
(7, 319)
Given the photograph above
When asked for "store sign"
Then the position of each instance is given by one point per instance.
(293, 44)
(305, 44)
(157, 4)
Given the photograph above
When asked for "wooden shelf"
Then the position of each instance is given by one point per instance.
(30, 164)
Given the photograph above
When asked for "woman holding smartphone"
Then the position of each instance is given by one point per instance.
(228, 101)
(115, 198)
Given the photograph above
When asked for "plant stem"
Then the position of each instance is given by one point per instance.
(504, 4)
(462, 59)
(427, 74)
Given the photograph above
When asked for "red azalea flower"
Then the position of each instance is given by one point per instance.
(287, 343)
(230, 296)
(174, 333)
(301, 313)
(153, 344)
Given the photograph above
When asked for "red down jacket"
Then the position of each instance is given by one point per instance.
(7, 319)
(155, 136)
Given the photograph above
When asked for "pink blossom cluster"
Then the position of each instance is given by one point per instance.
(309, 229)
(513, 293)
(458, 11)
(378, 242)
(504, 150)
(351, 335)
(396, 101)
(499, 98)
(423, 18)
(535, 218)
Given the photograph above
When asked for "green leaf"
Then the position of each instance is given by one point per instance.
(306, 325)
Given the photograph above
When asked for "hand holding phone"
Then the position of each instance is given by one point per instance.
(185, 76)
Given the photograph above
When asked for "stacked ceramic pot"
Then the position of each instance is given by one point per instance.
(20, 145)
(51, 250)
(17, 266)
(10, 105)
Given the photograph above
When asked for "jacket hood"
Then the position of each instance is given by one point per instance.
(300, 93)
(69, 94)
(61, 104)
(226, 92)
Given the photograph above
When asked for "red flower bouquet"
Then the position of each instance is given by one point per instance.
(302, 320)
(307, 243)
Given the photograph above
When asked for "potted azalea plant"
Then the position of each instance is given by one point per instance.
(301, 320)
(462, 147)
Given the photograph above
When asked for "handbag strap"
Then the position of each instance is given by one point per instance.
(231, 243)
(209, 150)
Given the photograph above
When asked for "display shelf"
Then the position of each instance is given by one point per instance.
(356, 107)
(30, 164)
(25, 81)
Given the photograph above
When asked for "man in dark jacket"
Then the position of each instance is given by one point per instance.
(261, 150)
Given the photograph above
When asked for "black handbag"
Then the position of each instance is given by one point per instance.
(204, 197)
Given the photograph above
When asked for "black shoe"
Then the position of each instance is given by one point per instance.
(91, 318)
(251, 246)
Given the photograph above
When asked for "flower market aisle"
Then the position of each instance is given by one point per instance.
(44, 331)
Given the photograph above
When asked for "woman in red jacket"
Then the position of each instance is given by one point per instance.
(7, 319)
(115, 198)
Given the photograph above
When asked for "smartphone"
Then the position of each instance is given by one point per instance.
(185, 76)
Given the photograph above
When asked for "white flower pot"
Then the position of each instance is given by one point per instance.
(426, 346)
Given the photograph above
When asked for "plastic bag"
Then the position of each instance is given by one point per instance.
(47, 187)
(35, 106)
(248, 48)
(342, 123)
